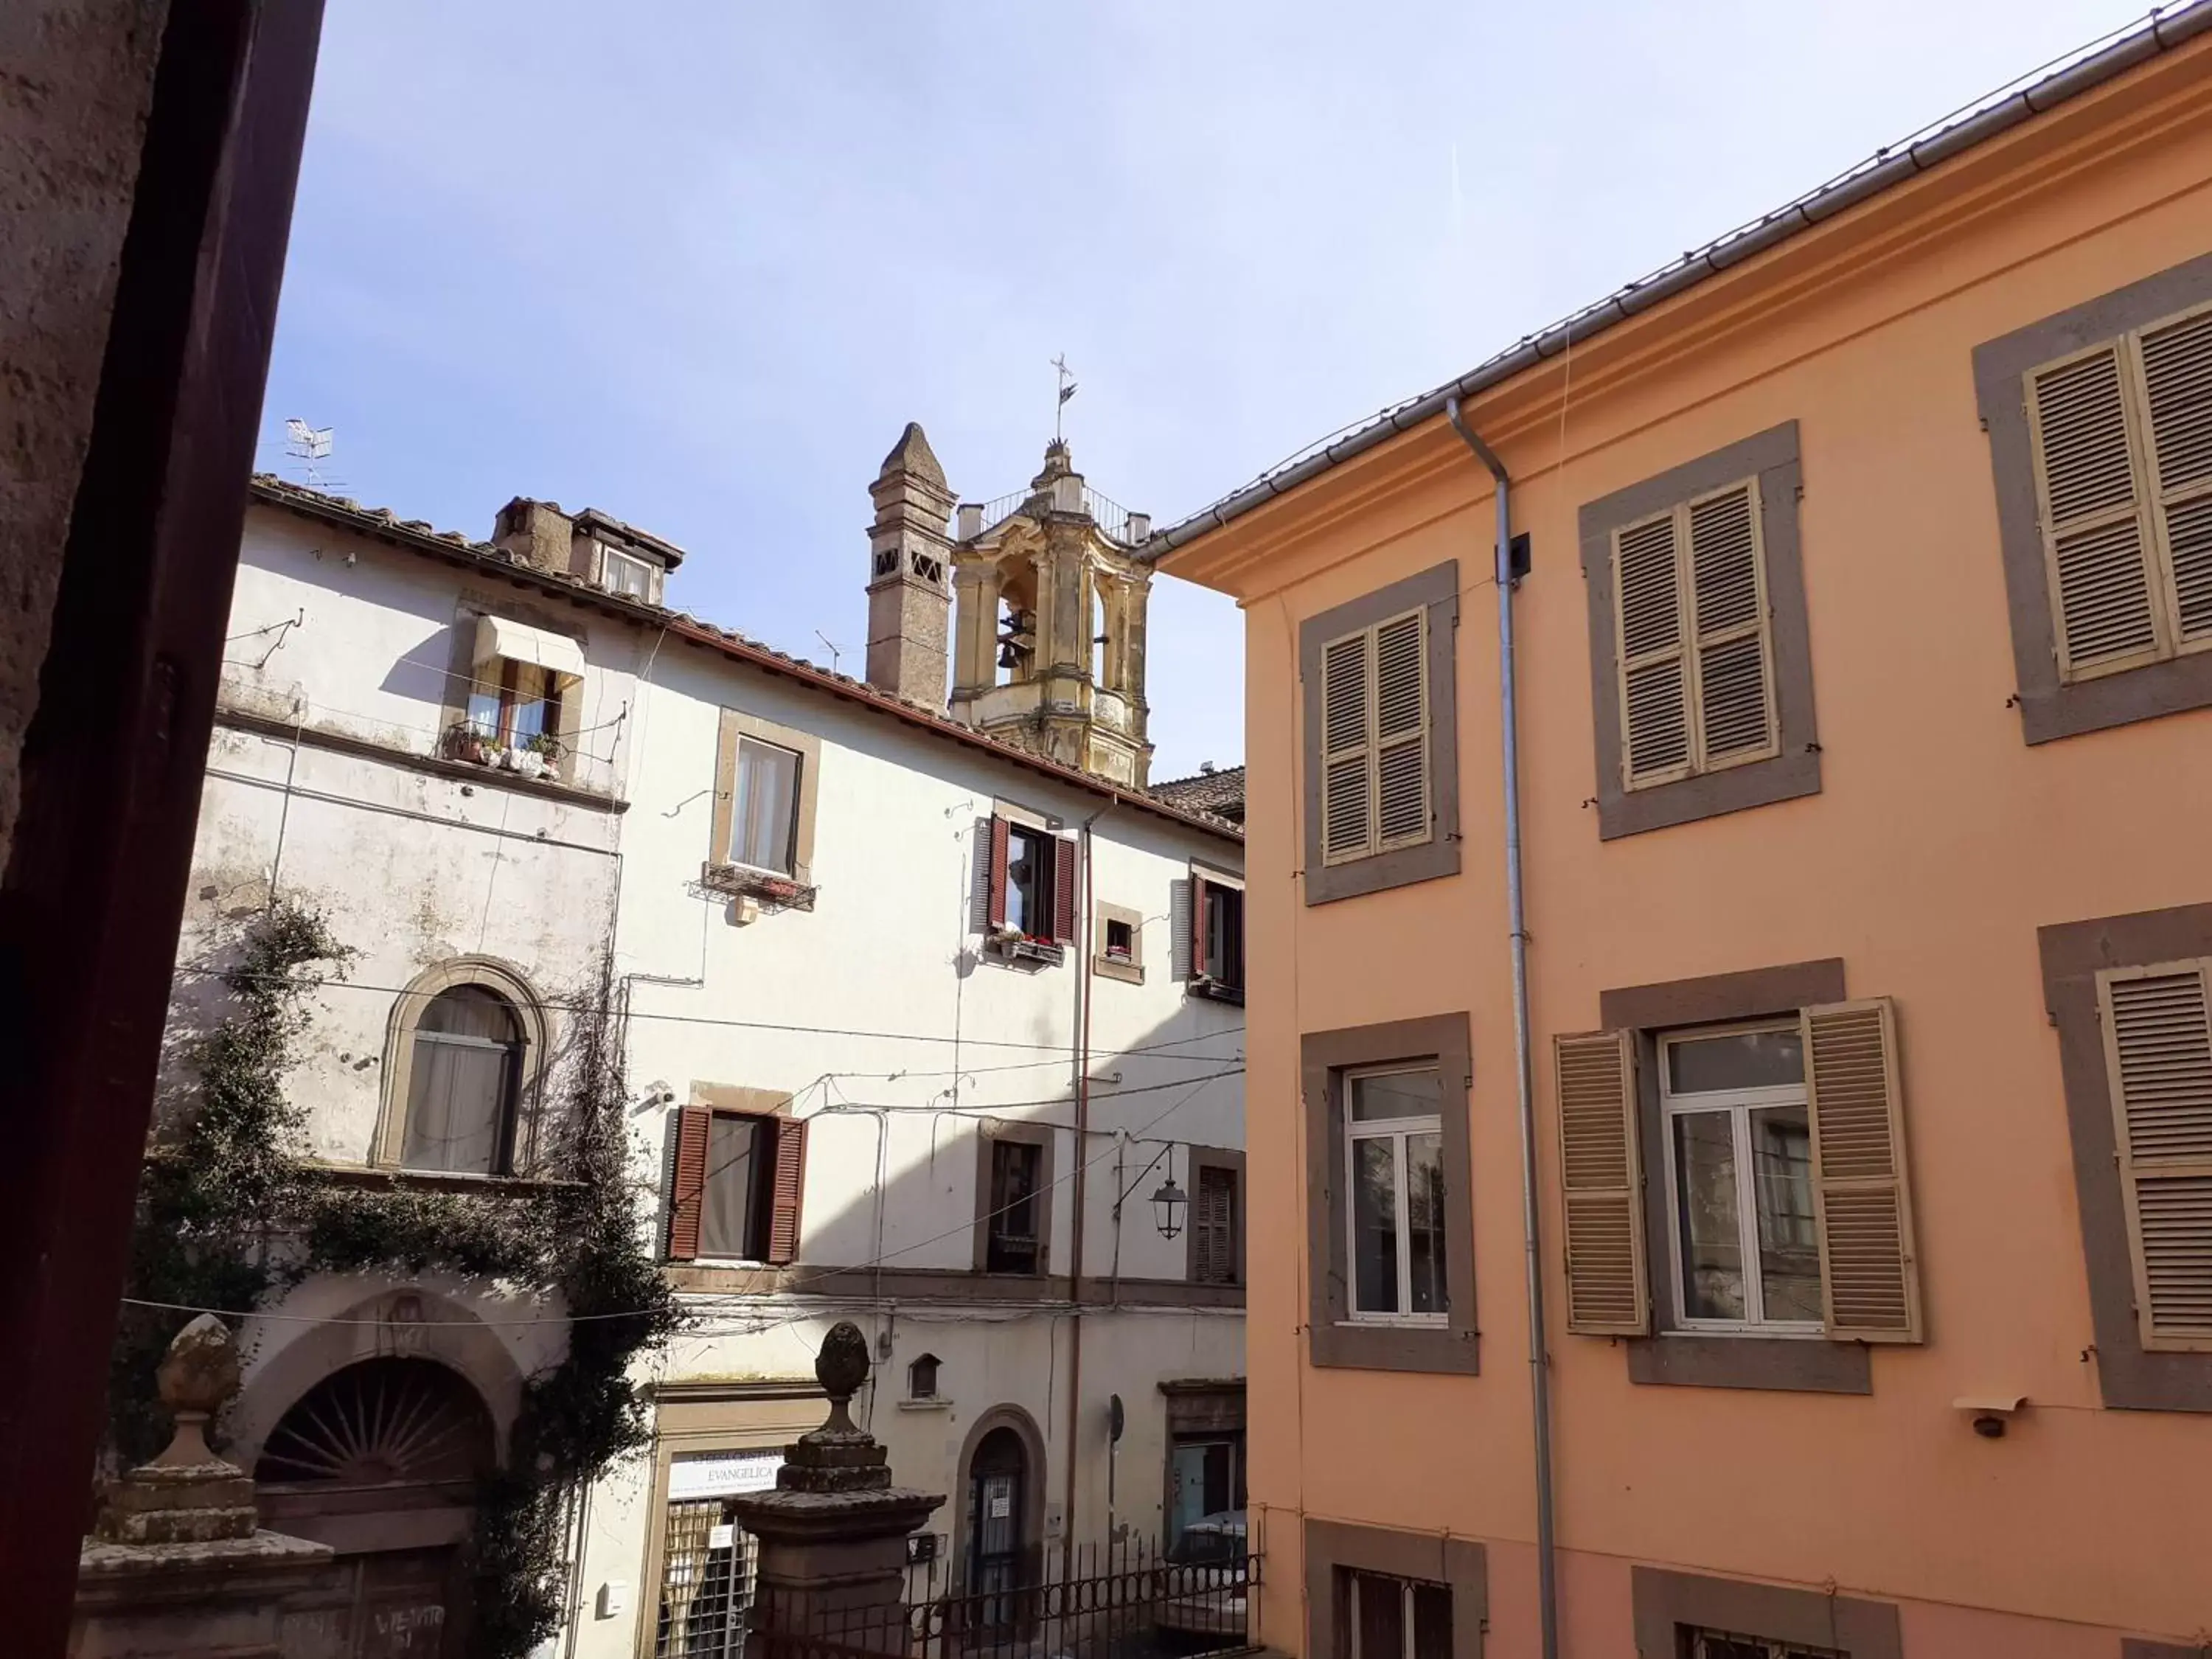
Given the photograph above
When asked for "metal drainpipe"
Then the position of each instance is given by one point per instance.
(1083, 940)
(1510, 751)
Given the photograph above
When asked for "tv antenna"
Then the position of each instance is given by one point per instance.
(310, 446)
(834, 652)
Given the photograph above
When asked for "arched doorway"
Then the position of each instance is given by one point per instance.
(381, 1461)
(998, 1529)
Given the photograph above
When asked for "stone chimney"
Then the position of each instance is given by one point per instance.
(909, 573)
(539, 531)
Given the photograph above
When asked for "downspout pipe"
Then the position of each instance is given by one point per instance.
(1539, 1386)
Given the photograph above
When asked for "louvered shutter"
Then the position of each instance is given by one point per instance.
(1347, 797)
(2095, 536)
(1734, 666)
(787, 1194)
(1601, 1170)
(2158, 1054)
(2176, 362)
(1067, 854)
(1869, 1277)
(1655, 743)
(1001, 842)
(1199, 965)
(1213, 1227)
(1183, 930)
(1401, 731)
(687, 1190)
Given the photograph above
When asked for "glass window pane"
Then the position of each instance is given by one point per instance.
(1424, 1220)
(1395, 1094)
(1782, 1176)
(767, 786)
(1432, 1622)
(534, 708)
(725, 1219)
(484, 707)
(1379, 1616)
(1712, 1238)
(1748, 1060)
(1374, 1225)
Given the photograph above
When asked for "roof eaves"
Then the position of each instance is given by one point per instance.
(2077, 72)
(415, 534)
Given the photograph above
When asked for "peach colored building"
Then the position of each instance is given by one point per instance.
(1863, 677)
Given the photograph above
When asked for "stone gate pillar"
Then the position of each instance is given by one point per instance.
(832, 1535)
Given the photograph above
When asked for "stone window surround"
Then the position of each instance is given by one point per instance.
(506, 981)
(1713, 1359)
(1665, 1600)
(1215, 1157)
(1460, 1565)
(2135, 1647)
(2050, 709)
(461, 672)
(736, 724)
(1795, 770)
(1333, 1338)
(1131, 972)
(1028, 1134)
(712, 1417)
(1036, 1503)
(2128, 1378)
(1437, 588)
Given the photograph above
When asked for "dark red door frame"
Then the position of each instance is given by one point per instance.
(93, 889)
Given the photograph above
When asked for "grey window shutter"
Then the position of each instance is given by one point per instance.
(1862, 1202)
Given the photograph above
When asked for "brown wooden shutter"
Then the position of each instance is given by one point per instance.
(1734, 667)
(2176, 362)
(1861, 1202)
(1213, 1226)
(1198, 965)
(1347, 804)
(1601, 1169)
(2158, 1056)
(687, 1192)
(1652, 662)
(1067, 855)
(787, 1194)
(1401, 731)
(2096, 538)
(1001, 833)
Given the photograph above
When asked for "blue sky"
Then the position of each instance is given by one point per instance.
(696, 265)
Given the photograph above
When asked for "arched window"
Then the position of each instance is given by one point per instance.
(381, 1423)
(467, 1039)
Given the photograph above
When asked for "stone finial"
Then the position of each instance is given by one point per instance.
(839, 1455)
(841, 1367)
(187, 1495)
(912, 453)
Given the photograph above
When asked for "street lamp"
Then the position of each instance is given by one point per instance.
(1167, 1204)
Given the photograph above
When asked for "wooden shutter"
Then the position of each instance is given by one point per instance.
(1001, 837)
(1601, 1167)
(1182, 928)
(2097, 541)
(687, 1191)
(1067, 855)
(1401, 731)
(1347, 805)
(787, 1193)
(2158, 1056)
(1733, 669)
(1861, 1203)
(2176, 362)
(1199, 965)
(1653, 664)
(1213, 1226)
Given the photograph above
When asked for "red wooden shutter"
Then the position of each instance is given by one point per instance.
(790, 1189)
(1065, 858)
(1200, 967)
(687, 1195)
(1001, 837)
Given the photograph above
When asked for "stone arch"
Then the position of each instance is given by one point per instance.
(404, 1322)
(1024, 1428)
(513, 986)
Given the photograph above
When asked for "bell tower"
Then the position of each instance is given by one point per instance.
(1049, 629)
(909, 572)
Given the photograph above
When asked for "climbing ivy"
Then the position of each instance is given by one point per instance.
(228, 1214)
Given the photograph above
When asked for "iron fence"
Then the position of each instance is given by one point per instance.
(1122, 1601)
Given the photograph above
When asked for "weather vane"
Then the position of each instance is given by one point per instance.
(1067, 391)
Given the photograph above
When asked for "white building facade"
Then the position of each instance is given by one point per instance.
(919, 1022)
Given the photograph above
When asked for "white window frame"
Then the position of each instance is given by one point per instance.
(736, 815)
(612, 558)
(1396, 1130)
(1738, 1103)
